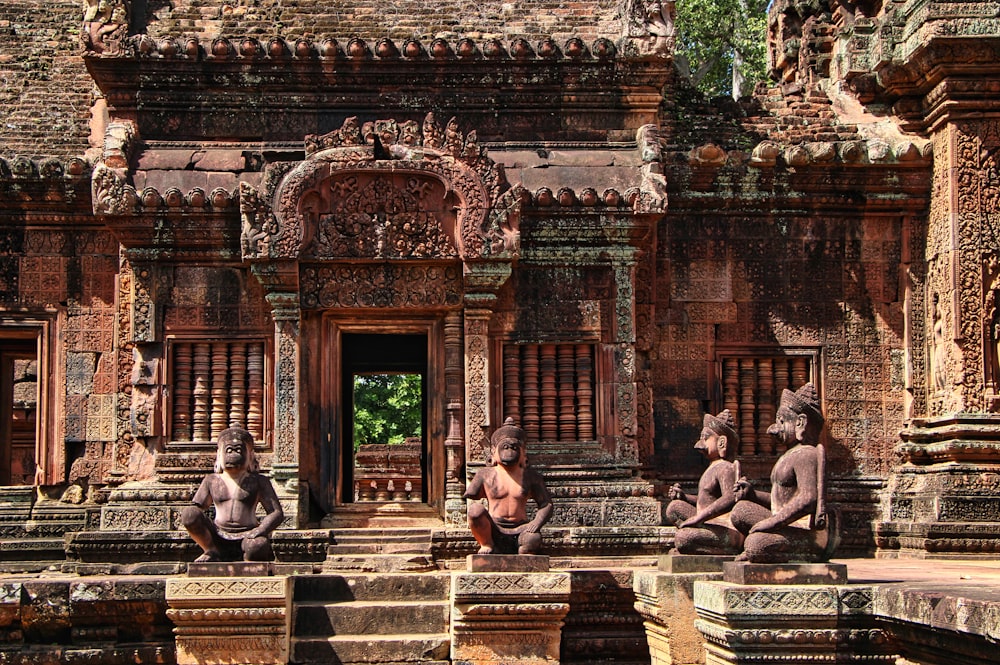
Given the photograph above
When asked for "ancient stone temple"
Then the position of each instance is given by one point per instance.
(234, 213)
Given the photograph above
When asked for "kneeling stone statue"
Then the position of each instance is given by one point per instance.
(235, 489)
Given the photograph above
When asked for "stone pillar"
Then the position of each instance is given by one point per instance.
(789, 613)
(287, 390)
(230, 620)
(511, 618)
(482, 281)
(454, 442)
(665, 600)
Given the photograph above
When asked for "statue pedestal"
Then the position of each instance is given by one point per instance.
(230, 620)
(799, 617)
(515, 618)
(665, 600)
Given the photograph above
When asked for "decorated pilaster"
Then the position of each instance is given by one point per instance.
(482, 281)
(627, 450)
(511, 618)
(816, 618)
(934, 61)
(287, 389)
(230, 620)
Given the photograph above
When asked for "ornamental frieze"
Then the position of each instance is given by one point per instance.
(380, 285)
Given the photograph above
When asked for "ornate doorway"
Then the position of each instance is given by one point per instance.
(384, 416)
(384, 388)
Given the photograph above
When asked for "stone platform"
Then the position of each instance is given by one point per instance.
(940, 613)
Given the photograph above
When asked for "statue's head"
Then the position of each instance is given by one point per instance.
(235, 451)
(719, 439)
(507, 445)
(799, 418)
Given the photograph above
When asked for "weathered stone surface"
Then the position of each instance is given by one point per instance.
(665, 600)
(507, 563)
(692, 563)
(739, 572)
(508, 617)
(230, 619)
(231, 569)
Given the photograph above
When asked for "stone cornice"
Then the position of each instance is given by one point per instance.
(44, 186)
(277, 91)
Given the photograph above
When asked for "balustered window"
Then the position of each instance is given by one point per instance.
(549, 390)
(216, 384)
(750, 387)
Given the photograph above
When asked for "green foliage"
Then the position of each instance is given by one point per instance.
(714, 36)
(387, 408)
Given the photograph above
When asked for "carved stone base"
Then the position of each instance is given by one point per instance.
(665, 600)
(945, 500)
(507, 563)
(230, 620)
(692, 563)
(231, 569)
(511, 618)
(793, 623)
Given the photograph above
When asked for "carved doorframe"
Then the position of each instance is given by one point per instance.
(334, 326)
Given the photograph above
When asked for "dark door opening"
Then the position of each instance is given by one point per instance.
(384, 384)
(18, 411)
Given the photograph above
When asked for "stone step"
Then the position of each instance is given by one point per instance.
(372, 586)
(379, 563)
(379, 617)
(380, 649)
(380, 541)
(391, 547)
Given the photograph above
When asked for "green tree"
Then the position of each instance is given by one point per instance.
(387, 408)
(722, 44)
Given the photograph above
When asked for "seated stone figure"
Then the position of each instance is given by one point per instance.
(507, 484)
(702, 521)
(791, 524)
(235, 489)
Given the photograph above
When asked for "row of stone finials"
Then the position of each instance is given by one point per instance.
(277, 48)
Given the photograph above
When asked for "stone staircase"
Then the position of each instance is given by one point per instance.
(385, 618)
(368, 550)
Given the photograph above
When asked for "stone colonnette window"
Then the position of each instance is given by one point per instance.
(751, 386)
(549, 390)
(215, 384)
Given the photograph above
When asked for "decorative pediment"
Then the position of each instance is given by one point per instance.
(385, 190)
